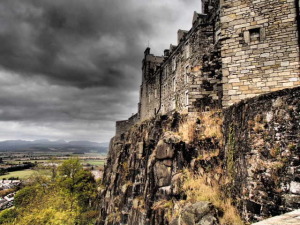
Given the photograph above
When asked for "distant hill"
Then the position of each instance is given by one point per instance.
(54, 146)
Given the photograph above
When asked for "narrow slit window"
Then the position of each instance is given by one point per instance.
(174, 84)
(186, 98)
(186, 78)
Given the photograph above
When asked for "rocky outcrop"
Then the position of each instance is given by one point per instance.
(192, 169)
(144, 174)
(200, 213)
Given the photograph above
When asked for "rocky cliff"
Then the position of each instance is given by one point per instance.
(208, 167)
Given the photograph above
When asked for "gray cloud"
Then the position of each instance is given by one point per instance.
(71, 65)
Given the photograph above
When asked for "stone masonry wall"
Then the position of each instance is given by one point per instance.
(262, 150)
(150, 87)
(260, 48)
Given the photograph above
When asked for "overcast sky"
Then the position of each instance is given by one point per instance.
(70, 68)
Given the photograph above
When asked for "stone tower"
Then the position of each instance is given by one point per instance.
(260, 47)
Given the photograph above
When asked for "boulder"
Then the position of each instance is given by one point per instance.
(171, 138)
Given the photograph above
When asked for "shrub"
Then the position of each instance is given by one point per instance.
(197, 189)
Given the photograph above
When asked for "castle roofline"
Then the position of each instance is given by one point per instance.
(197, 16)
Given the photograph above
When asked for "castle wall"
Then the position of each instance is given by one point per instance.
(124, 125)
(260, 49)
(192, 83)
(189, 78)
(235, 50)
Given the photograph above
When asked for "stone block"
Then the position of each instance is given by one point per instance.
(295, 187)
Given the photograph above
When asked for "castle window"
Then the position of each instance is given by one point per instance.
(174, 64)
(166, 72)
(174, 84)
(174, 103)
(186, 75)
(187, 98)
(254, 34)
(155, 93)
(187, 50)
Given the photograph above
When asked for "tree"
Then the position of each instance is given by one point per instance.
(65, 199)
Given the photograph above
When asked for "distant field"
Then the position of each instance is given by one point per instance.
(21, 162)
(94, 162)
(22, 174)
(91, 154)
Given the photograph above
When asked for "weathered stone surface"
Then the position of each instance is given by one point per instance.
(171, 138)
(187, 218)
(164, 150)
(162, 174)
(262, 153)
(199, 213)
(292, 201)
(176, 184)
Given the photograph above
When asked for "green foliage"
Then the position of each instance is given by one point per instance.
(65, 197)
(7, 216)
(25, 196)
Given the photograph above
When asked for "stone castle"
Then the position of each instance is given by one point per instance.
(234, 50)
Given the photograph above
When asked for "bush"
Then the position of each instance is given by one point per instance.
(7, 216)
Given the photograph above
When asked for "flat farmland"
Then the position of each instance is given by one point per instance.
(22, 174)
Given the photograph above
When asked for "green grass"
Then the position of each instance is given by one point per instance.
(22, 174)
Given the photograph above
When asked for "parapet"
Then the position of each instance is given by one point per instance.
(124, 125)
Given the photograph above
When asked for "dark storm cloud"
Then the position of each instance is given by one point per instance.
(71, 42)
(70, 68)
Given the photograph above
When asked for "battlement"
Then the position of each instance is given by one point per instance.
(233, 51)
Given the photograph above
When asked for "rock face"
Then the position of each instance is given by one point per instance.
(144, 173)
(145, 179)
(200, 213)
